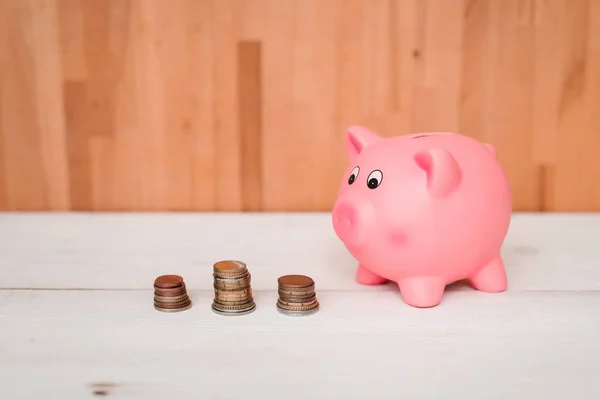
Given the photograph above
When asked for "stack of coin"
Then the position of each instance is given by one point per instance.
(297, 295)
(233, 292)
(170, 294)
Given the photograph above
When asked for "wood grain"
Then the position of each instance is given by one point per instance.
(76, 315)
(228, 105)
(250, 100)
(132, 249)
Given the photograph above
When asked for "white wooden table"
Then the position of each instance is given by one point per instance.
(76, 314)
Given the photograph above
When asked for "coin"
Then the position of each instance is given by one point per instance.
(170, 299)
(178, 304)
(170, 294)
(297, 304)
(232, 287)
(232, 279)
(233, 307)
(234, 312)
(227, 299)
(295, 281)
(297, 295)
(174, 291)
(297, 299)
(168, 281)
(229, 267)
(173, 305)
(230, 302)
(171, 310)
(297, 313)
(230, 274)
(298, 307)
(240, 292)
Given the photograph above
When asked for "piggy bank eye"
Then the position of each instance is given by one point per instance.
(374, 179)
(353, 175)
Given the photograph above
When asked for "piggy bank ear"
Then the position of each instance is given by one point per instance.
(357, 139)
(443, 172)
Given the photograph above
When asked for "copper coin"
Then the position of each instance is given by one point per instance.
(300, 289)
(295, 292)
(233, 312)
(297, 303)
(240, 297)
(170, 294)
(301, 308)
(172, 305)
(229, 288)
(168, 281)
(233, 298)
(294, 304)
(295, 281)
(290, 297)
(173, 289)
(231, 278)
(233, 307)
(176, 289)
(170, 289)
(241, 284)
(301, 295)
(170, 299)
(233, 303)
(173, 310)
(233, 292)
(297, 313)
(241, 300)
(309, 288)
(157, 285)
(230, 274)
(229, 266)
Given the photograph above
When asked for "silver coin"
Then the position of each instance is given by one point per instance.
(172, 310)
(297, 313)
(233, 278)
(233, 312)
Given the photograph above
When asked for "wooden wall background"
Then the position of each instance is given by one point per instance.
(242, 105)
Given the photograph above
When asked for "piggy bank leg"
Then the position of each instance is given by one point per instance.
(422, 291)
(365, 276)
(491, 278)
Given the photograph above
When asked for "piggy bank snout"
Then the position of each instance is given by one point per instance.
(351, 220)
(344, 216)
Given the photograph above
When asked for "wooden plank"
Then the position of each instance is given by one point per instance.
(225, 124)
(509, 100)
(541, 252)
(78, 146)
(249, 58)
(438, 70)
(49, 107)
(4, 62)
(134, 105)
(76, 343)
(180, 87)
(23, 168)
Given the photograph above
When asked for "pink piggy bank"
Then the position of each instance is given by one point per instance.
(423, 211)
